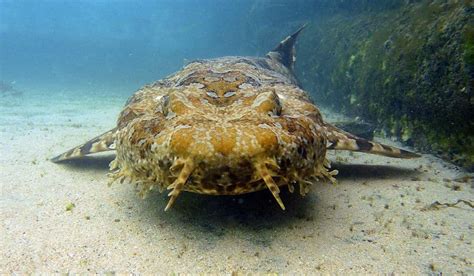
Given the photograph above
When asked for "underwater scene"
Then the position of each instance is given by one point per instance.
(237, 137)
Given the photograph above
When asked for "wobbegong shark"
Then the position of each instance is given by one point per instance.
(226, 126)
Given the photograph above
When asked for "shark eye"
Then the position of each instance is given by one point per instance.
(212, 94)
(229, 94)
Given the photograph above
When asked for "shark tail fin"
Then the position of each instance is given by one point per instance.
(341, 140)
(285, 52)
(103, 142)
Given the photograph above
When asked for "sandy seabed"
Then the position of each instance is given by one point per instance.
(379, 218)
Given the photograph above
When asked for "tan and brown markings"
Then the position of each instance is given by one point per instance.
(226, 126)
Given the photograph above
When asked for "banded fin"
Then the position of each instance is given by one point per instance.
(103, 142)
(341, 140)
(285, 52)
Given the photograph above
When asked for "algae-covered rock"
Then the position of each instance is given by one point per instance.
(409, 69)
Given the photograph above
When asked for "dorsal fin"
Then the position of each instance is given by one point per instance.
(285, 52)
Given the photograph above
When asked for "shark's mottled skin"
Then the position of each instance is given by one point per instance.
(226, 126)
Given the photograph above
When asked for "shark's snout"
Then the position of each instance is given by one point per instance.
(218, 143)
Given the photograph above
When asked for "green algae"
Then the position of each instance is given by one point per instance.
(469, 45)
(409, 70)
(70, 206)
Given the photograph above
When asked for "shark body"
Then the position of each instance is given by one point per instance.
(226, 126)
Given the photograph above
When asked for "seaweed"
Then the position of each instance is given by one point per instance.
(408, 69)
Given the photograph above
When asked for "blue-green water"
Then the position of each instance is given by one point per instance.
(116, 43)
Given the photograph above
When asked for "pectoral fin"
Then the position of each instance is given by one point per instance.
(341, 140)
(103, 142)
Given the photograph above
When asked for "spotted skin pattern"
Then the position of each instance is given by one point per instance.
(226, 126)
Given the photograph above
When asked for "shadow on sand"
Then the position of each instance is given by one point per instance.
(98, 162)
(253, 216)
(212, 216)
(367, 172)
